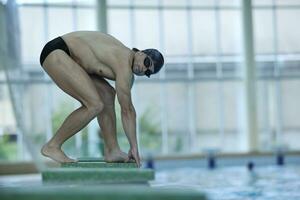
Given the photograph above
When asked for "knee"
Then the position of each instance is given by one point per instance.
(95, 108)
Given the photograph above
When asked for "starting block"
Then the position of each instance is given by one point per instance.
(99, 171)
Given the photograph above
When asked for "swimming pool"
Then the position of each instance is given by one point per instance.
(235, 183)
(230, 182)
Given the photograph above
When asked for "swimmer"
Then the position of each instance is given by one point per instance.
(80, 63)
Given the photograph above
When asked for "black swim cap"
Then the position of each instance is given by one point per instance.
(156, 57)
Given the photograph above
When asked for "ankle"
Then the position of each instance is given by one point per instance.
(111, 150)
(52, 145)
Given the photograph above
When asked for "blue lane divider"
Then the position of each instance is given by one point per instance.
(280, 159)
(211, 161)
(250, 166)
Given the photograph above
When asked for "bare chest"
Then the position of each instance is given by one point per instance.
(90, 61)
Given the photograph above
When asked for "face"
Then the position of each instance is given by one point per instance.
(142, 63)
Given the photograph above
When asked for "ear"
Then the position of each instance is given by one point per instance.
(135, 49)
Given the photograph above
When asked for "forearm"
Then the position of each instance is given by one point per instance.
(129, 125)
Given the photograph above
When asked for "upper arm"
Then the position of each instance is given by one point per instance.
(123, 87)
(132, 81)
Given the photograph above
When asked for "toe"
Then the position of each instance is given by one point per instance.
(127, 159)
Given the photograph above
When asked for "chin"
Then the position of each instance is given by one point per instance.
(137, 74)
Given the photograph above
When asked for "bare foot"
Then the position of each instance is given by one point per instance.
(116, 156)
(56, 154)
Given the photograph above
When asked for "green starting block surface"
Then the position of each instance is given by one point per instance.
(90, 159)
(101, 192)
(99, 175)
(98, 165)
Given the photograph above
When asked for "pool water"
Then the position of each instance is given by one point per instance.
(232, 183)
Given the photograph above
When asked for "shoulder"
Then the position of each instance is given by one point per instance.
(122, 61)
(125, 79)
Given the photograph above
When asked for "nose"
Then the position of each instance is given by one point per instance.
(138, 69)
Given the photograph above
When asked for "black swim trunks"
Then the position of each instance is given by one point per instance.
(57, 43)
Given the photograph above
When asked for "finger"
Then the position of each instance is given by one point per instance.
(137, 160)
(137, 164)
(133, 159)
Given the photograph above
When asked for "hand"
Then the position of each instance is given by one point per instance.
(134, 154)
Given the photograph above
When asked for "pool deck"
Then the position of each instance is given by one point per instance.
(91, 179)
(99, 192)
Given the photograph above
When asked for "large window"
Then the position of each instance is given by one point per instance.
(277, 50)
(196, 101)
(199, 86)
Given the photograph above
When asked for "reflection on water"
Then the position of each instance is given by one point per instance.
(28, 180)
(236, 182)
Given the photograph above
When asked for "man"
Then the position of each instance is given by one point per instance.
(79, 62)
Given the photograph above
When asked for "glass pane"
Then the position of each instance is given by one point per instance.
(231, 105)
(175, 70)
(32, 37)
(290, 102)
(8, 135)
(86, 2)
(204, 41)
(262, 2)
(268, 114)
(229, 2)
(118, 2)
(265, 114)
(177, 113)
(87, 19)
(174, 2)
(263, 31)
(287, 2)
(230, 31)
(146, 2)
(147, 29)
(36, 116)
(57, 26)
(148, 111)
(207, 115)
(288, 33)
(289, 65)
(290, 113)
(119, 25)
(176, 42)
(203, 3)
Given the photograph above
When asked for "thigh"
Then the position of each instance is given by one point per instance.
(71, 77)
(104, 89)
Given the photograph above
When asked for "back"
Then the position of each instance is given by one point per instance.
(91, 48)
